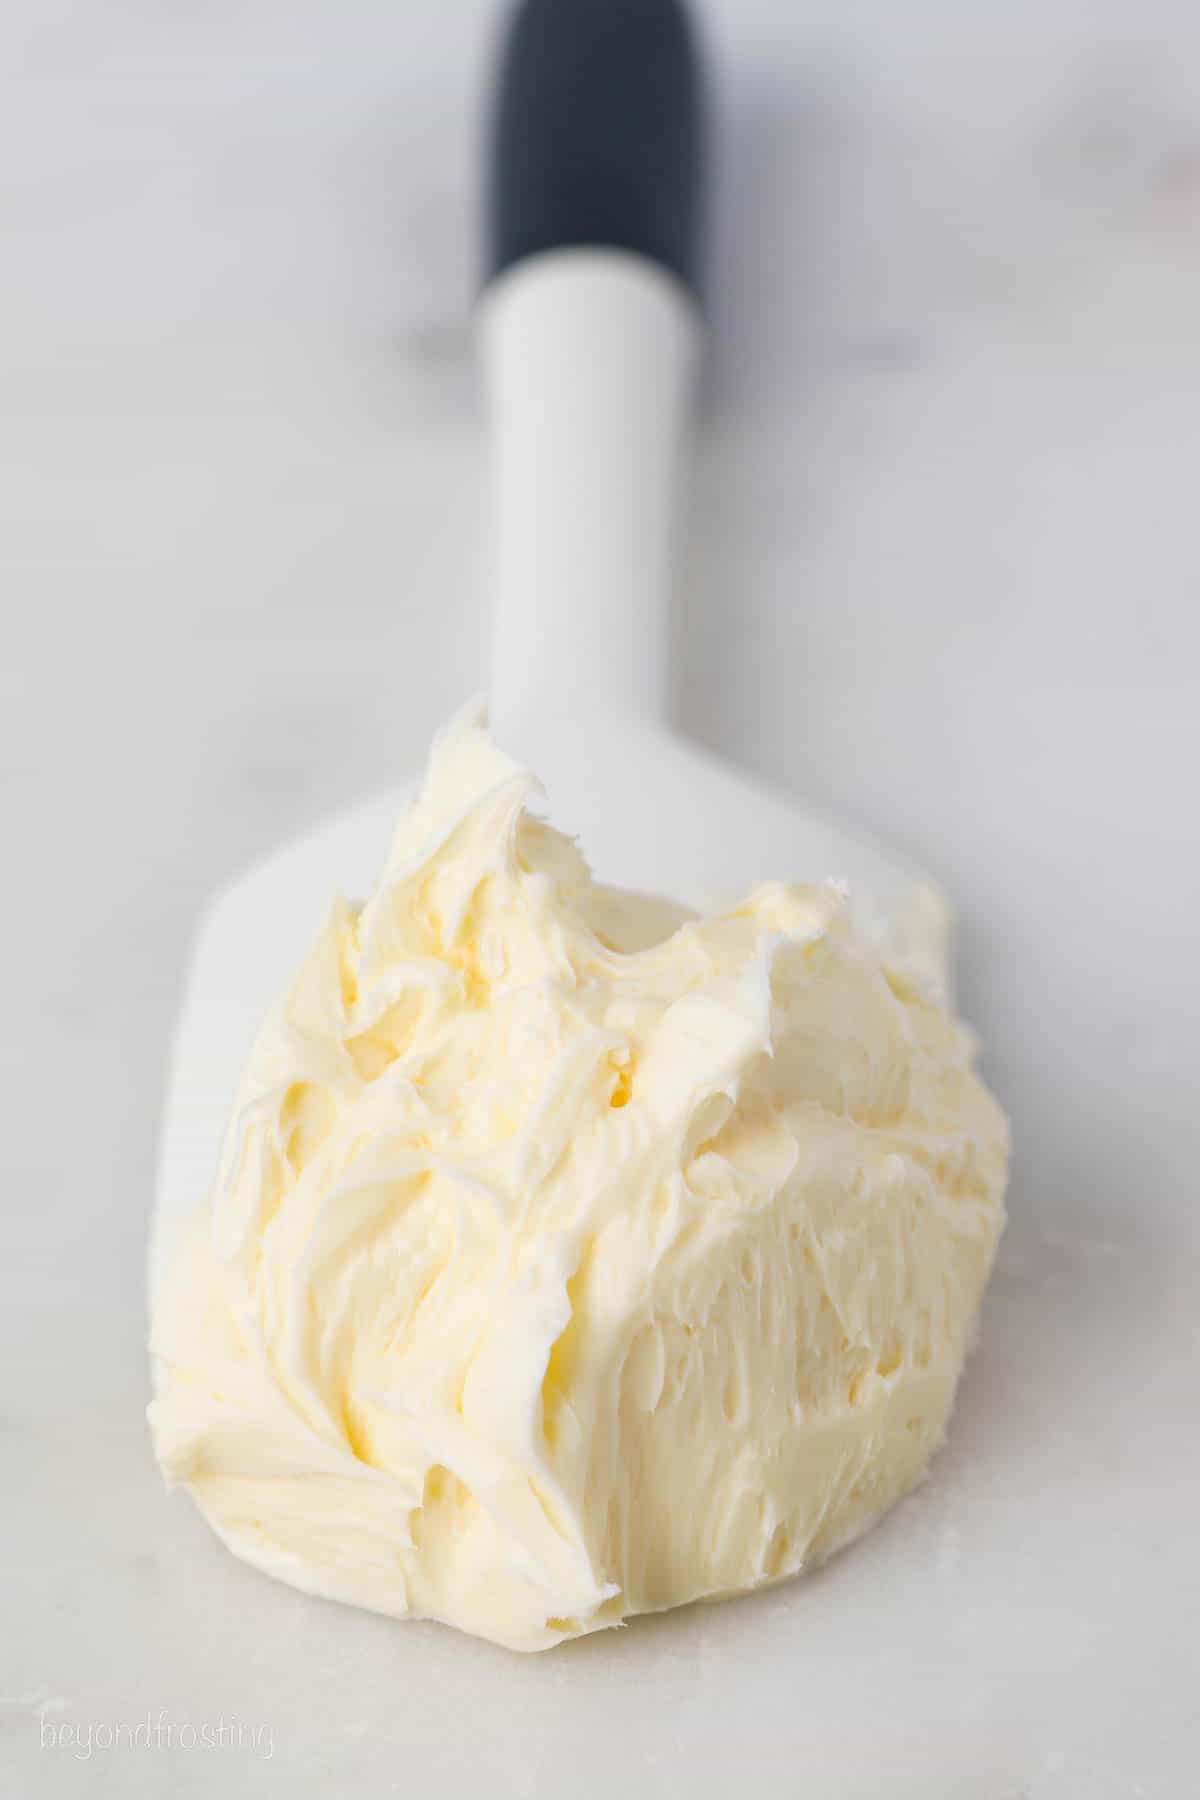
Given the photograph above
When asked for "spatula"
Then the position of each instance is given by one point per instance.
(590, 330)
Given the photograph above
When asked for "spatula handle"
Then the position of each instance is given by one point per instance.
(589, 330)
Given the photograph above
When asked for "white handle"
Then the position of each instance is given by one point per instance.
(588, 362)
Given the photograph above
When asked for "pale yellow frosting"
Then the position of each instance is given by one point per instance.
(573, 1257)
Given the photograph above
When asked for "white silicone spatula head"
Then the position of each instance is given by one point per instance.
(590, 331)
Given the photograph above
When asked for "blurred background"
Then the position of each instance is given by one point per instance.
(941, 576)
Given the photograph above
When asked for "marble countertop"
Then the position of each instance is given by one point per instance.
(941, 576)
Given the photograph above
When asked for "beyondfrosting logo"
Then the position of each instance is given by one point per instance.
(157, 1731)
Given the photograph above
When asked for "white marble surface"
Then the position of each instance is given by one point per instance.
(943, 575)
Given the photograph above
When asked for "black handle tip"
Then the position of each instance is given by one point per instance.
(596, 136)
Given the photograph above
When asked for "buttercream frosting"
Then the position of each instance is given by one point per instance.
(571, 1255)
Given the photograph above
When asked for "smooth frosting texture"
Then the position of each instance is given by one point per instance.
(571, 1256)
